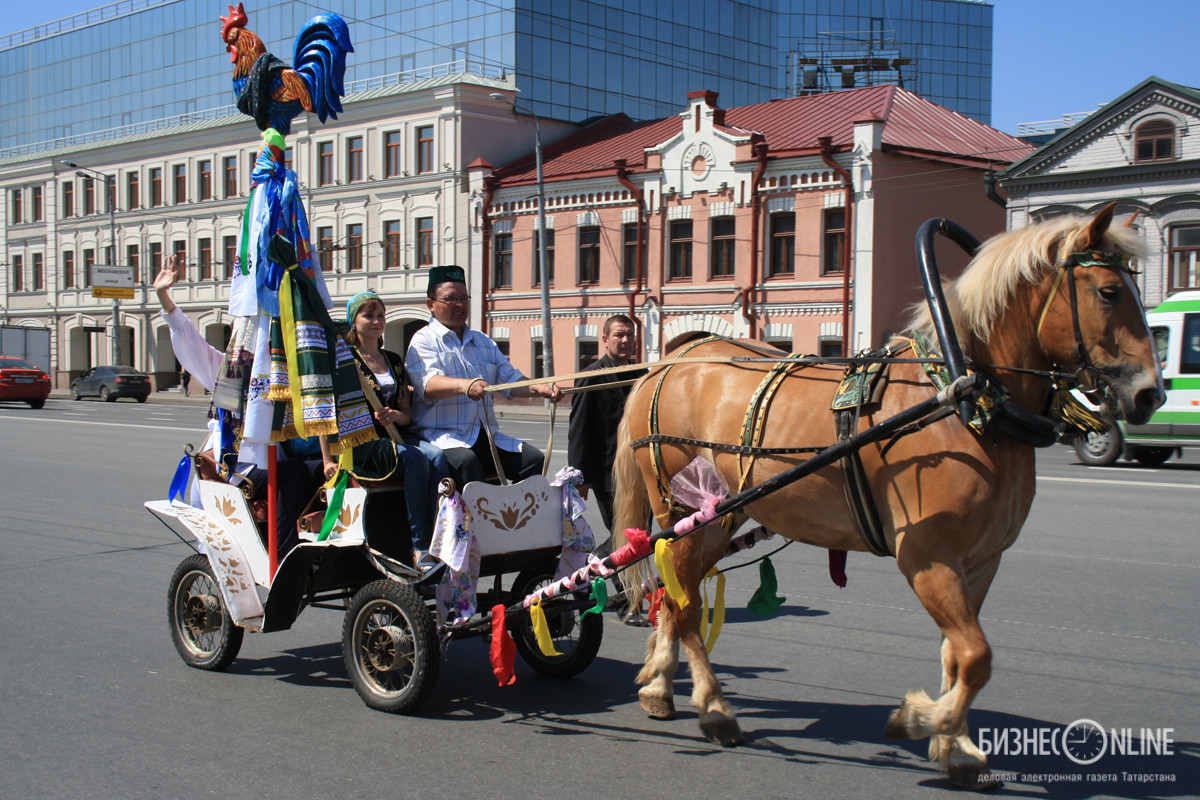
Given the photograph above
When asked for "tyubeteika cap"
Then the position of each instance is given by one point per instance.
(444, 273)
(355, 304)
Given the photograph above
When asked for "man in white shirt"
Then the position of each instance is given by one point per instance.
(451, 366)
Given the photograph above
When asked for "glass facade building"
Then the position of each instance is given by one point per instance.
(146, 63)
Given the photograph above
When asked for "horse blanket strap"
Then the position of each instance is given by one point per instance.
(867, 382)
(662, 438)
(756, 415)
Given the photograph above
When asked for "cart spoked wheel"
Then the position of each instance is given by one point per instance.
(201, 629)
(577, 639)
(390, 647)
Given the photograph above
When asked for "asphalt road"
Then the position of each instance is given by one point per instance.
(1092, 616)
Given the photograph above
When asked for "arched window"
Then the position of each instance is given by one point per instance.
(1154, 141)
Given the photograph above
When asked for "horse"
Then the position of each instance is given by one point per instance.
(1055, 299)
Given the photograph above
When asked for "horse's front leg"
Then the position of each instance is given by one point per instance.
(966, 666)
(694, 557)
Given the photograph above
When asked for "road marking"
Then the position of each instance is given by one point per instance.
(105, 424)
(1121, 483)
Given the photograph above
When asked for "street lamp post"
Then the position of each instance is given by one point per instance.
(110, 187)
(544, 266)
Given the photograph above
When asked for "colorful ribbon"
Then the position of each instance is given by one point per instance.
(335, 506)
(718, 612)
(503, 649)
(541, 630)
(287, 325)
(180, 479)
(600, 595)
(764, 602)
(665, 563)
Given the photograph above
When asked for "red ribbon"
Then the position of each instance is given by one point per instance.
(637, 544)
(504, 649)
(655, 604)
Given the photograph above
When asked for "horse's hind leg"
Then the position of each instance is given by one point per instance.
(657, 696)
(966, 667)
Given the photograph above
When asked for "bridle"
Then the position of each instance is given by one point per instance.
(1087, 376)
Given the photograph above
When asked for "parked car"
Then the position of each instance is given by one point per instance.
(1176, 328)
(109, 383)
(23, 382)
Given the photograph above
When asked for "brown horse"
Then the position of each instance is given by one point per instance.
(1058, 295)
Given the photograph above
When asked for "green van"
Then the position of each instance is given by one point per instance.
(1176, 328)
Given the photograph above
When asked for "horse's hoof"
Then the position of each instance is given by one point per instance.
(973, 776)
(897, 724)
(657, 707)
(721, 729)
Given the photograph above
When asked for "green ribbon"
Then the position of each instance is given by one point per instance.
(764, 602)
(335, 507)
(600, 595)
(246, 234)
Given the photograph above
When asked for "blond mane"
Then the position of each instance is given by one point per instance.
(978, 298)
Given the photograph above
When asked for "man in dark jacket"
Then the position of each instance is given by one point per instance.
(595, 415)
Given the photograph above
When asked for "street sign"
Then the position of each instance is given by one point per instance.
(106, 276)
(112, 292)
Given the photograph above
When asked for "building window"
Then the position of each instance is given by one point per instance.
(155, 259)
(131, 260)
(109, 258)
(16, 207)
(325, 246)
(723, 231)
(783, 245)
(179, 248)
(68, 269)
(391, 243)
(18, 275)
(68, 199)
(425, 148)
(681, 249)
(89, 196)
(537, 257)
(829, 348)
(354, 240)
(287, 159)
(629, 251)
(502, 261)
(1185, 257)
(132, 200)
(589, 353)
(35, 204)
(156, 187)
(89, 261)
(424, 241)
(589, 254)
(539, 359)
(354, 159)
(204, 185)
(39, 276)
(1154, 141)
(229, 246)
(391, 154)
(179, 176)
(204, 256)
(833, 240)
(229, 181)
(324, 163)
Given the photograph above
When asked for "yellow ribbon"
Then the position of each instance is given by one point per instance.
(663, 559)
(287, 323)
(718, 612)
(541, 630)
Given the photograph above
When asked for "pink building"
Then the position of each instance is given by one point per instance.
(734, 222)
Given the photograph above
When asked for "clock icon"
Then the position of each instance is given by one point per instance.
(1084, 741)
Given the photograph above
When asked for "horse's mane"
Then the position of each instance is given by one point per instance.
(978, 297)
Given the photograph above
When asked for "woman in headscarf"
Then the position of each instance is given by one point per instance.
(422, 465)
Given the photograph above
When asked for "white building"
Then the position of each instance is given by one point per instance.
(1142, 150)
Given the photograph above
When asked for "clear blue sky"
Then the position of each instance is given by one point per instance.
(1051, 57)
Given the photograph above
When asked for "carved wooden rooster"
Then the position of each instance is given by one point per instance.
(271, 91)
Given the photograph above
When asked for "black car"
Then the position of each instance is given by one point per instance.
(109, 383)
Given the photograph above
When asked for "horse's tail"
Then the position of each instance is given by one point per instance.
(632, 510)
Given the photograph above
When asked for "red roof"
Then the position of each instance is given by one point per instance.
(912, 125)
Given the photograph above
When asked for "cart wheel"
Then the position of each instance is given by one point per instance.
(202, 631)
(390, 647)
(577, 639)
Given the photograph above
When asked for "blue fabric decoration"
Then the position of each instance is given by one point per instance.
(179, 481)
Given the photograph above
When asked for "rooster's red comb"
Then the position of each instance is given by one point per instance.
(236, 19)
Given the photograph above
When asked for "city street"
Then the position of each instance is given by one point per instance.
(1091, 617)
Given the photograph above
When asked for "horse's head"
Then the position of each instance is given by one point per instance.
(1092, 321)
